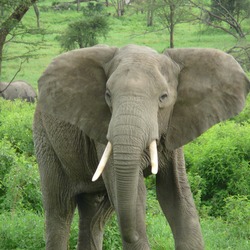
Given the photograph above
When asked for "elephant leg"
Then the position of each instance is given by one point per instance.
(59, 206)
(58, 222)
(94, 211)
(59, 203)
(176, 200)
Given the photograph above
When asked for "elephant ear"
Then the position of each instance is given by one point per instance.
(73, 89)
(212, 87)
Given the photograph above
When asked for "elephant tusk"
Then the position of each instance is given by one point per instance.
(154, 157)
(103, 162)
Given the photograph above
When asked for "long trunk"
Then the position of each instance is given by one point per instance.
(128, 140)
(127, 163)
(130, 131)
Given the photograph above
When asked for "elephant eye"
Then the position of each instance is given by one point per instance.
(163, 97)
(108, 97)
(107, 94)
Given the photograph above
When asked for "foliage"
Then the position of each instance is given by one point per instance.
(237, 211)
(112, 237)
(85, 31)
(12, 30)
(221, 18)
(168, 13)
(20, 187)
(19, 179)
(21, 230)
(237, 8)
(16, 124)
(221, 158)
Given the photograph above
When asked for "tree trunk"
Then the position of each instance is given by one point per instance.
(171, 26)
(120, 8)
(37, 15)
(78, 5)
(1, 55)
(150, 13)
(150, 18)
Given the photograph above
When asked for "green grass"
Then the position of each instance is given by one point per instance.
(24, 230)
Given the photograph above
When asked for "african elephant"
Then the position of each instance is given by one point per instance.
(17, 90)
(145, 106)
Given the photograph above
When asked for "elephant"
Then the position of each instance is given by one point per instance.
(17, 90)
(145, 106)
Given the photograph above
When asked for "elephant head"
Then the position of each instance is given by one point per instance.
(134, 98)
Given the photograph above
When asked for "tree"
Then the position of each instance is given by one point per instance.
(119, 6)
(237, 8)
(85, 31)
(218, 16)
(151, 5)
(228, 16)
(16, 11)
(170, 13)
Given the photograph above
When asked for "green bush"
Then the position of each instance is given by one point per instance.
(19, 184)
(244, 116)
(221, 158)
(237, 211)
(19, 178)
(21, 230)
(85, 31)
(16, 119)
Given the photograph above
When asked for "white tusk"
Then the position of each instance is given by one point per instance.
(153, 157)
(103, 162)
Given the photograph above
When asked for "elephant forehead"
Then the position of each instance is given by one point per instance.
(136, 78)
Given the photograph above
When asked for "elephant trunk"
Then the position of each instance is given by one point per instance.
(130, 132)
(127, 162)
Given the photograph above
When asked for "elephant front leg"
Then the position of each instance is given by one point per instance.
(176, 200)
(94, 211)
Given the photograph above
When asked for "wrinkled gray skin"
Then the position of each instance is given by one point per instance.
(128, 96)
(17, 90)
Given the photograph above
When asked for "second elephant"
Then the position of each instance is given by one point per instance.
(17, 90)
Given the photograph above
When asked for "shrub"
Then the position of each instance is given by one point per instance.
(19, 179)
(16, 124)
(237, 211)
(21, 230)
(20, 185)
(85, 31)
(221, 158)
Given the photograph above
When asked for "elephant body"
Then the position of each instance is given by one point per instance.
(17, 90)
(146, 106)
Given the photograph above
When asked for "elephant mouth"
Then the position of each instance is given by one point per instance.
(108, 150)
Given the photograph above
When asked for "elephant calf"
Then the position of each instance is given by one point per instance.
(145, 106)
(17, 90)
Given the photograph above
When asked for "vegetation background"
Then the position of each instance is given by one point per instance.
(218, 162)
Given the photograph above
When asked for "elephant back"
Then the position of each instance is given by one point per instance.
(18, 90)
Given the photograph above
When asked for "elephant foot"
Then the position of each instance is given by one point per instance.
(141, 244)
(195, 245)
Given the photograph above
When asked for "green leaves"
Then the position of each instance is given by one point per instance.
(221, 158)
(19, 178)
(85, 31)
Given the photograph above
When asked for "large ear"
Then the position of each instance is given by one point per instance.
(73, 89)
(212, 87)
